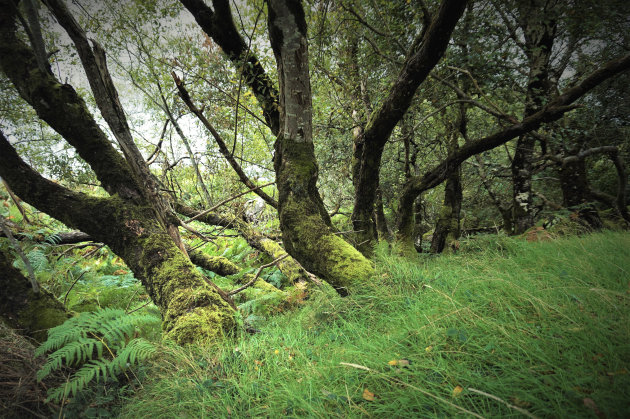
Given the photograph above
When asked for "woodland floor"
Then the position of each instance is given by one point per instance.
(504, 328)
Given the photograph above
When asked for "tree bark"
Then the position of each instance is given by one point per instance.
(305, 224)
(537, 20)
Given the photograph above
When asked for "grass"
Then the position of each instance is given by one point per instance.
(539, 329)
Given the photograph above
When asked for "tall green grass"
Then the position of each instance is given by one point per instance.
(522, 328)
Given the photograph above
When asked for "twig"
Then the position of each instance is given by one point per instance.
(250, 283)
(225, 201)
(183, 93)
(131, 299)
(141, 307)
(195, 232)
(511, 406)
(65, 298)
(78, 246)
(16, 201)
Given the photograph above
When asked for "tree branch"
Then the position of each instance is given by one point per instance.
(552, 112)
(183, 93)
(219, 25)
(61, 107)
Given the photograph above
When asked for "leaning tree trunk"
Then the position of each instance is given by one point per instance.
(305, 224)
(426, 51)
(25, 309)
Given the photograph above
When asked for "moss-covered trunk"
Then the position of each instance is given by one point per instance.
(306, 227)
(22, 308)
(193, 309)
(134, 221)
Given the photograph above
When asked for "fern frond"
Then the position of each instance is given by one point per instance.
(81, 341)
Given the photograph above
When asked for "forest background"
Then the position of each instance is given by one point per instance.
(211, 166)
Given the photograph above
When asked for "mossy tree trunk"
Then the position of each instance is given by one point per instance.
(22, 308)
(135, 221)
(305, 224)
(447, 227)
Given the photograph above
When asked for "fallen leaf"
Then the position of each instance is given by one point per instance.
(457, 391)
(393, 362)
(368, 395)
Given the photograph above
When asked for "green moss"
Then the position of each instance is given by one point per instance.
(188, 311)
(324, 253)
(41, 313)
(217, 264)
(205, 324)
(292, 270)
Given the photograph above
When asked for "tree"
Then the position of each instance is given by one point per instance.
(135, 220)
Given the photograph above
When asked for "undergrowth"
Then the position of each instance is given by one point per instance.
(99, 346)
(504, 328)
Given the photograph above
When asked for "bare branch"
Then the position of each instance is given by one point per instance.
(183, 93)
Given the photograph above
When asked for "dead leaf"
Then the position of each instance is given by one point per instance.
(457, 391)
(400, 362)
(368, 395)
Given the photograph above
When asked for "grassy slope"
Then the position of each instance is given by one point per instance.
(542, 326)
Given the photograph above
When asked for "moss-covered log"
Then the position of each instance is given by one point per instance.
(22, 308)
(290, 267)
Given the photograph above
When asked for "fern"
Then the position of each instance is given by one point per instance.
(38, 260)
(100, 344)
(53, 239)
